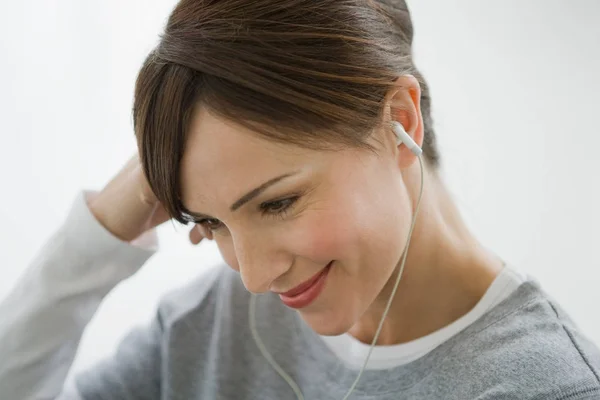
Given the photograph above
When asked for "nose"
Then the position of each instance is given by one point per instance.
(261, 260)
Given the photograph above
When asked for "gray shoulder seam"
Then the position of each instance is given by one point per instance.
(505, 315)
(574, 342)
(589, 393)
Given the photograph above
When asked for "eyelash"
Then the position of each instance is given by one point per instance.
(264, 209)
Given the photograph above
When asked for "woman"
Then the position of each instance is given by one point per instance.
(290, 132)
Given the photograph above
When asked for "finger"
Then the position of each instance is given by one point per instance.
(196, 235)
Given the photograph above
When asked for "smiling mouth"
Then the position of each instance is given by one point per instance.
(306, 292)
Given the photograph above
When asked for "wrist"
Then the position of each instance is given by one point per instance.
(122, 219)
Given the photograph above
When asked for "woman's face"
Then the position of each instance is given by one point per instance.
(347, 209)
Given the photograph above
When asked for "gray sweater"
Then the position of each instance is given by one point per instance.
(199, 345)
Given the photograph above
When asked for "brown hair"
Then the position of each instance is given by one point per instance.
(304, 72)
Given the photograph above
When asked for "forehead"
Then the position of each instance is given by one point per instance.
(222, 159)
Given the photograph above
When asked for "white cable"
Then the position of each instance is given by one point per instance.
(387, 308)
(265, 352)
(280, 371)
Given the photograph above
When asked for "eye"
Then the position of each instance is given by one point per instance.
(277, 206)
(210, 223)
(271, 208)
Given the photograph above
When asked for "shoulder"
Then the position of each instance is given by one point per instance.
(529, 345)
(214, 289)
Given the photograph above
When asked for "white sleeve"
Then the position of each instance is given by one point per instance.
(43, 318)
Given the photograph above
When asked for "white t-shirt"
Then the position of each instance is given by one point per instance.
(353, 352)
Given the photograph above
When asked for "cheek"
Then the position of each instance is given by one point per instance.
(330, 239)
(362, 231)
(325, 235)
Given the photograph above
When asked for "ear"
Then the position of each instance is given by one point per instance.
(403, 104)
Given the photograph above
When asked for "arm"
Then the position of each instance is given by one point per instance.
(44, 316)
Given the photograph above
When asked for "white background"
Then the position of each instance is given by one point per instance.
(515, 87)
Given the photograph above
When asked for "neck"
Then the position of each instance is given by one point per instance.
(447, 271)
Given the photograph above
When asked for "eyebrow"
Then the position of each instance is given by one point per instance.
(248, 196)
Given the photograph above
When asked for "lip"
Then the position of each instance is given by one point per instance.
(306, 292)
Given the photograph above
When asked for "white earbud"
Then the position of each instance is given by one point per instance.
(403, 137)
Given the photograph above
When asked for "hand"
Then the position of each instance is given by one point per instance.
(127, 207)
